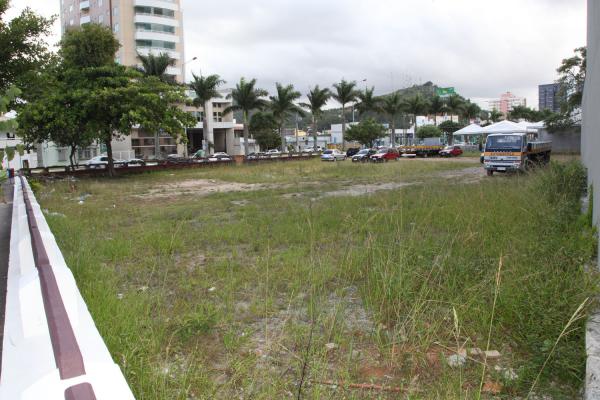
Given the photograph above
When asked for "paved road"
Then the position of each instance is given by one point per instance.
(5, 221)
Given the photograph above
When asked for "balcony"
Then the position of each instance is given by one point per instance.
(175, 71)
(156, 19)
(157, 50)
(155, 35)
(85, 19)
(166, 4)
(84, 5)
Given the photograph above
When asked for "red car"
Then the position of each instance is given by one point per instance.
(385, 154)
(451, 151)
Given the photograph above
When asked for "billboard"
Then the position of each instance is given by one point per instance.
(445, 92)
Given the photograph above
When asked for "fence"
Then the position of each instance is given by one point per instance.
(52, 348)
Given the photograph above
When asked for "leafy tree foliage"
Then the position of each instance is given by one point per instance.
(22, 45)
(367, 101)
(392, 106)
(437, 106)
(416, 106)
(529, 114)
(366, 132)
(448, 128)
(246, 98)
(264, 129)
(156, 65)
(429, 131)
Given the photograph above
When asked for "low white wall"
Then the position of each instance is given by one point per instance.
(29, 369)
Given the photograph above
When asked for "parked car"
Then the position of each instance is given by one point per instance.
(135, 161)
(220, 156)
(451, 151)
(273, 153)
(352, 151)
(363, 155)
(385, 154)
(98, 162)
(333, 155)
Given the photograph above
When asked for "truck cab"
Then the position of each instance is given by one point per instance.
(506, 152)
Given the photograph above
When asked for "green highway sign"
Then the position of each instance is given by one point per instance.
(445, 92)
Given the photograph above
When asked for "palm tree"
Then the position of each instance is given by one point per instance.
(392, 106)
(436, 107)
(206, 88)
(282, 106)
(455, 105)
(246, 98)
(317, 98)
(470, 111)
(156, 65)
(495, 115)
(344, 93)
(414, 106)
(367, 101)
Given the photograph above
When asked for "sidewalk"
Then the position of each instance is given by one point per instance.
(5, 223)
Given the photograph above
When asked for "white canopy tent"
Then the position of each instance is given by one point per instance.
(504, 127)
(472, 129)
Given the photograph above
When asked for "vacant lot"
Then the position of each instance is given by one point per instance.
(340, 281)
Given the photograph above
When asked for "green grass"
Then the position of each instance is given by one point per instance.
(198, 297)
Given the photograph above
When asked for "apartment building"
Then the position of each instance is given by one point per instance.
(142, 27)
(506, 102)
(549, 98)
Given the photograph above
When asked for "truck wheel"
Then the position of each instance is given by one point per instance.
(489, 172)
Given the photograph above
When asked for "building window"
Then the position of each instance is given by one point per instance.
(116, 28)
(161, 44)
(115, 11)
(101, 19)
(162, 12)
(148, 27)
(71, 8)
(100, 3)
(217, 117)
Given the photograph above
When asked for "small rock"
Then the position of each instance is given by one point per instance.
(508, 373)
(80, 201)
(475, 352)
(355, 353)
(143, 288)
(212, 289)
(492, 354)
(120, 296)
(330, 346)
(456, 360)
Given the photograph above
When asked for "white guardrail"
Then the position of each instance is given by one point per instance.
(52, 348)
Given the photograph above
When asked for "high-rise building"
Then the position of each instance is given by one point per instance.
(549, 97)
(506, 102)
(141, 26)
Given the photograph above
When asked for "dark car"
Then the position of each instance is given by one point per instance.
(385, 154)
(363, 155)
(352, 151)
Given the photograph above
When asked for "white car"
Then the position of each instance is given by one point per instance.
(98, 162)
(273, 153)
(220, 156)
(333, 155)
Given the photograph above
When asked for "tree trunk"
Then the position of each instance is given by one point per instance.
(156, 145)
(246, 135)
(315, 136)
(393, 133)
(71, 160)
(343, 126)
(281, 135)
(205, 135)
(109, 153)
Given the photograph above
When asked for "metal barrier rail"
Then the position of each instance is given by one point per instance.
(52, 348)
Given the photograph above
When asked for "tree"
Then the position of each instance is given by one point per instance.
(205, 88)
(282, 106)
(344, 93)
(571, 81)
(59, 115)
(414, 106)
(264, 129)
(317, 99)
(367, 101)
(437, 106)
(156, 65)
(22, 45)
(449, 127)
(470, 111)
(392, 106)
(495, 115)
(246, 98)
(429, 131)
(366, 132)
(455, 105)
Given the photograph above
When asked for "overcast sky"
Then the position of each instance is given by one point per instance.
(481, 47)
